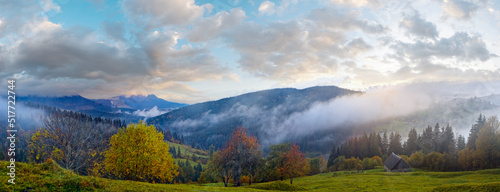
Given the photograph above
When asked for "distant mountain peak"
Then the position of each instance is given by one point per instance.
(140, 102)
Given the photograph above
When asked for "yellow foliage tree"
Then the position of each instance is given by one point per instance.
(139, 153)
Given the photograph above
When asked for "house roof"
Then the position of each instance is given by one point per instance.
(392, 161)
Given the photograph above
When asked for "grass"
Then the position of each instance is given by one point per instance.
(50, 177)
(188, 151)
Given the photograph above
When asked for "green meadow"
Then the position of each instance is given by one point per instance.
(51, 177)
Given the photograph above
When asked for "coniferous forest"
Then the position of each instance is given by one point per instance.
(436, 148)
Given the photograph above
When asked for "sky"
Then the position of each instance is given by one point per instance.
(193, 51)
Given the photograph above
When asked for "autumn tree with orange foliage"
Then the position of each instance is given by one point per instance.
(138, 153)
(294, 163)
(242, 152)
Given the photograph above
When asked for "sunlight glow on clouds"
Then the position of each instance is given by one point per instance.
(172, 48)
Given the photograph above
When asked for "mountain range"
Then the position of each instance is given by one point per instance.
(130, 108)
(273, 116)
(139, 102)
(262, 113)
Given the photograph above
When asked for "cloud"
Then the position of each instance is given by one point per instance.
(114, 30)
(344, 20)
(279, 51)
(153, 112)
(285, 5)
(51, 60)
(355, 47)
(23, 14)
(285, 122)
(158, 13)
(419, 27)
(209, 28)
(460, 47)
(359, 3)
(460, 9)
(294, 50)
(75, 54)
(185, 64)
(267, 8)
(26, 117)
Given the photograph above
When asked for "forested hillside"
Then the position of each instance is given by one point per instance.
(211, 122)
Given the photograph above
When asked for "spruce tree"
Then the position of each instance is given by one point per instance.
(474, 131)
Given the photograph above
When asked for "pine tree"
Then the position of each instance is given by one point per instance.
(364, 146)
(412, 142)
(172, 151)
(385, 143)
(474, 131)
(179, 155)
(448, 140)
(395, 144)
(333, 156)
(373, 146)
(461, 143)
(427, 140)
(211, 150)
(436, 138)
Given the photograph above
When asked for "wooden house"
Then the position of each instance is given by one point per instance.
(395, 163)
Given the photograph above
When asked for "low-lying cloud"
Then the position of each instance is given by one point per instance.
(153, 112)
(276, 124)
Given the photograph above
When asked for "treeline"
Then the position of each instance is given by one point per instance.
(434, 149)
(188, 173)
(74, 140)
(241, 161)
(55, 122)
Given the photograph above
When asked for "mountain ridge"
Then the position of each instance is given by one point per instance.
(211, 122)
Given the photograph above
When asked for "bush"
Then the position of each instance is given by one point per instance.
(378, 160)
(434, 161)
(369, 163)
(245, 179)
(416, 159)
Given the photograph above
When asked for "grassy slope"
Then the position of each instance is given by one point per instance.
(51, 177)
(187, 152)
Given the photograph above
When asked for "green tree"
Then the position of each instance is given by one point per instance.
(218, 168)
(461, 143)
(412, 142)
(138, 153)
(334, 153)
(317, 165)
(368, 163)
(436, 138)
(416, 159)
(395, 144)
(373, 144)
(211, 150)
(448, 140)
(486, 144)
(474, 132)
(385, 143)
(434, 161)
(275, 160)
(427, 137)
